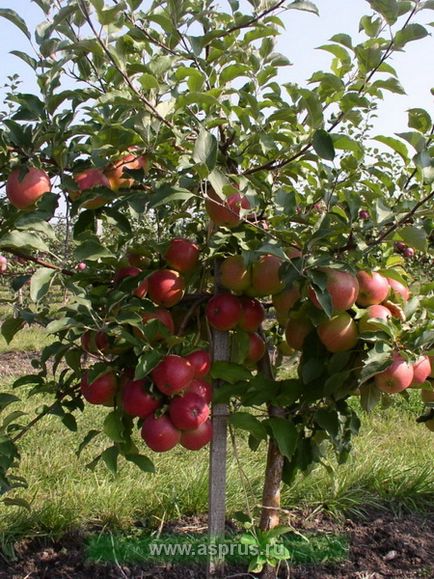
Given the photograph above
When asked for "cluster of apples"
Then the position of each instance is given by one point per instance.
(341, 332)
(173, 405)
(25, 185)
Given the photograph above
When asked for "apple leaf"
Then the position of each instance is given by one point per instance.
(205, 150)
(110, 457)
(323, 145)
(143, 462)
(10, 327)
(285, 435)
(370, 396)
(246, 421)
(40, 283)
(16, 19)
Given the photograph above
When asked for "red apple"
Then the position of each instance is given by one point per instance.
(225, 211)
(397, 377)
(265, 276)
(252, 314)
(201, 362)
(284, 302)
(3, 264)
(115, 172)
(159, 433)
(421, 370)
(166, 287)
(125, 272)
(189, 411)
(398, 289)
(339, 333)
(163, 316)
(373, 288)
(141, 290)
(363, 214)
(197, 438)
(296, 331)
(343, 288)
(102, 390)
(172, 374)
(201, 388)
(90, 179)
(137, 400)
(408, 252)
(223, 312)
(375, 312)
(182, 254)
(256, 349)
(23, 191)
(234, 274)
(94, 342)
(81, 266)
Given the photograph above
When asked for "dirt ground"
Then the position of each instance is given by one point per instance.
(380, 546)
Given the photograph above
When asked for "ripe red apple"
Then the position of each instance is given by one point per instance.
(102, 390)
(3, 264)
(398, 289)
(256, 349)
(159, 433)
(234, 274)
(339, 333)
(421, 370)
(182, 254)
(265, 276)
(293, 252)
(363, 214)
(137, 400)
(24, 192)
(166, 287)
(94, 342)
(284, 302)
(399, 246)
(189, 411)
(201, 388)
(141, 290)
(197, 438)
(81, 266)
(397, 377)
(373, 288)
(296, 331)
(343, 288)
(162, 315)
(375, 312)
(223, 312)
(201, 362)
(225, 211)
(90, 179)
(252, 314)
(115, 172)
(125, 272)
(408, 252)
(172, 374)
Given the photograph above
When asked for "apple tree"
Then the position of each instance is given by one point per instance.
(226, 226)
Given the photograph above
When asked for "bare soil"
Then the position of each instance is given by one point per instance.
(380, 546)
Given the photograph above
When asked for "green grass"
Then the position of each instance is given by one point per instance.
(391, 468)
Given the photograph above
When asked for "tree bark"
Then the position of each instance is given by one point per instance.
(270, 514)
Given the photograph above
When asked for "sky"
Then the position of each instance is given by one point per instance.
(304, 33)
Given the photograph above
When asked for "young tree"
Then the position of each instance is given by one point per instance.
(204, 193)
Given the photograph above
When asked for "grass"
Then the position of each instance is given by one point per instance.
(391, 468)
(29, 339)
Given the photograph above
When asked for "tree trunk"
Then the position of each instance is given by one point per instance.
(270, 515)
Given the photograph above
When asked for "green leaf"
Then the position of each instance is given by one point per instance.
(394, 144)
(389, 9)
(196, 79)
(143, 462)
(16, 19)
(110, 457)
(419, 119)
(70, 422)
(91, 250)
(328, 419)
(86, 440)
(205, 150)
(370, 25)
(40, 283)
(303, 5)
(22, 240)
(285, 435)
(148, 81)
(229, 372)
(379, 358)
(412, 31)
(147, 361)
(10, 327)
(247, 421)
(114, 427)
(323, 145)
(370, 396)
(6, 399)
(25, 58)
(233, 71)
(413, 236)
